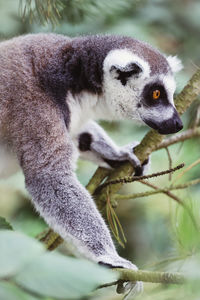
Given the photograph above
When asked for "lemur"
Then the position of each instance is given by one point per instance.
(52, 88)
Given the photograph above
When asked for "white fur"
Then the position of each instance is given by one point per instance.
(160, 114)
(170, 86)
(175, 63)
(80, 111)
(84, 107)
(122, 100)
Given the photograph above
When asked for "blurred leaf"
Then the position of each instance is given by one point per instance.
(188, 227)
(192, 14)
(8, 21)
(62, 277)
(9, 291)
(16, 250)
(27, 221)
(4, 224)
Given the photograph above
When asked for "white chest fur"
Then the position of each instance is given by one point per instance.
(83, 108)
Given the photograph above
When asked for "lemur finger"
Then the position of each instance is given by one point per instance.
(134, 289)
(123, 287)
(131, 289)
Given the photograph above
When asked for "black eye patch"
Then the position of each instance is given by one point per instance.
(148, 95)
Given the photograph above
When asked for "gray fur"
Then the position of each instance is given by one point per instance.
(50, 86)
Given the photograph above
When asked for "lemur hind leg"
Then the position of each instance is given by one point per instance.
(95, 145)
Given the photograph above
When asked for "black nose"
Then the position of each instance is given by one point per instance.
(167, 126)
(179, 125)
(171, 125)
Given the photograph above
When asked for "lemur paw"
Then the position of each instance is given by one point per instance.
(139, 169)
(128, 288)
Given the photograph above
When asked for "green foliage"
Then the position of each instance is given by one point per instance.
(16, 250)
(27, 221)
(24, 265)
(188, 230)
(9, 291)
(45, 10)
(73, 11)
(4, 224)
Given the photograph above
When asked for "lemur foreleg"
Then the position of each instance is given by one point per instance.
(47, 159)
(95, 145)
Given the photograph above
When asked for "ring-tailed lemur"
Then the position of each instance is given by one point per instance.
(51, 86)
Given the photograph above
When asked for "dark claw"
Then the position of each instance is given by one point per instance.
(109, 265)
(146, 161)
(105, 264)
(138, 171)
(120, 287)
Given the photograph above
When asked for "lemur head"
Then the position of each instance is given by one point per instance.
(140, 85)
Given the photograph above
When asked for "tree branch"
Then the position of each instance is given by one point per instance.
(147, 276)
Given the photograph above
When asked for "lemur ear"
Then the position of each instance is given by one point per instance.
(175, 63)
(124, 73)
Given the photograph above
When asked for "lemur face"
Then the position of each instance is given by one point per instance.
(133, 91)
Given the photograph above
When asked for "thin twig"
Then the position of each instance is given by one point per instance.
(179, 137)
(170, 162)
(129, 179)
(187, 169)
(168, 193)
(157, 191)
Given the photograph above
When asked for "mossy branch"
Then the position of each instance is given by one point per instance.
(154, 277)
(145, 276)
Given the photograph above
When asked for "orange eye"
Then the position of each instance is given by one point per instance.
(156, 94)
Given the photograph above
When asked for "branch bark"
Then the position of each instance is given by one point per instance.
(154, 277)
(145, 276)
